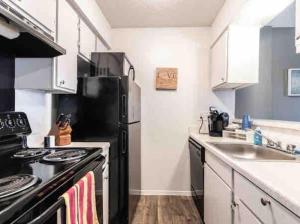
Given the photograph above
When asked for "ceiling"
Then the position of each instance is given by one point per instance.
(160, 13)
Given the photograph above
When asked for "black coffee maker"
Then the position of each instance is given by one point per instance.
(217, 122)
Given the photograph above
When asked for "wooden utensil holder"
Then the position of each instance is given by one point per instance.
(62, 135)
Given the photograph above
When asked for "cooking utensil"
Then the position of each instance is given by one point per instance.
(59, 119)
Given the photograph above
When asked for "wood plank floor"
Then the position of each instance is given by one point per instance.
(166, 210)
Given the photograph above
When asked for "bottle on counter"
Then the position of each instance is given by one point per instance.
(246, 122)
(257, 136)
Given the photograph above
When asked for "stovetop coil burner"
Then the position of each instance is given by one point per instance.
(65, 155)
(30, 153)
(15, 184)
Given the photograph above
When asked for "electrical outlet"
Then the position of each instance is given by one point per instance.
(204, 115)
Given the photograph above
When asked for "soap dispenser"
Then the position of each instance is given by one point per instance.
(257, 137)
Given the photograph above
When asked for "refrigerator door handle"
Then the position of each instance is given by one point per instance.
(124, 105)
(133, 72)
(124, 142)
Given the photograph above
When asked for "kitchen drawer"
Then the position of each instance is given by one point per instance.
(222, 169)
(262, 205)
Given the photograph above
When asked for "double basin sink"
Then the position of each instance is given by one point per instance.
(252, 152)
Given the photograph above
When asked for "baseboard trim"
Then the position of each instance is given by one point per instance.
(161, 193)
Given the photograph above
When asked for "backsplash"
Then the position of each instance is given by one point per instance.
(37, 105)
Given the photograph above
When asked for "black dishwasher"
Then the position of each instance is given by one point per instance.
(197, 158)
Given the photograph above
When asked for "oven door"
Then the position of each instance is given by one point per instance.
(46, 212)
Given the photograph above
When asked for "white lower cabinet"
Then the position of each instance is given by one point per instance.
(231, 198)
(261, 205)
(217, 199)
(242, 215)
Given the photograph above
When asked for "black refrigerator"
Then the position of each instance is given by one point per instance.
(107, 107)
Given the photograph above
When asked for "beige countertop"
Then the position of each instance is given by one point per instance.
(281, 180)
(103, 145)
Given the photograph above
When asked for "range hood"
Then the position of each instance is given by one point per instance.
(24, 39)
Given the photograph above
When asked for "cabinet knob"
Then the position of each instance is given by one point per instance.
(234, 205)
(265, 202)
(222, 79)
(62, 82)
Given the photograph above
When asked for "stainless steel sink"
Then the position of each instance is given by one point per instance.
(252, 152)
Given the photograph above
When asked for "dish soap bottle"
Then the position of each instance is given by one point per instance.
(257, 137)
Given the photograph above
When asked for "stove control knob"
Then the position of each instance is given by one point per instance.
(10, 123)
(1, 125)
(21, 122)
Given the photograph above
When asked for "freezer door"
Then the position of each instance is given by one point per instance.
(130, 100)
(134, 102)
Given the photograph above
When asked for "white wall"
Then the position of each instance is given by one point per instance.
(37, 105)
(166, 115)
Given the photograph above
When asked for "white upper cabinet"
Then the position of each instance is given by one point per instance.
(219, 57)
(42, 12)
(297, 26)
(235, 58)
(73, 24)
(91, 13)
(59, 74)
(87, 41)
(67, 36)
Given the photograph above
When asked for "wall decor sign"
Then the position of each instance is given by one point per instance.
(166, 78)
(294, 82)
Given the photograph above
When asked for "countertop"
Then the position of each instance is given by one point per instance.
(103, 145)
(280, 180)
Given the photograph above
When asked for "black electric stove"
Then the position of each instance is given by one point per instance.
(32, 180)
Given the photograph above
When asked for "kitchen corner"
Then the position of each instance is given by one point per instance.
(278, 179)
(150, 112)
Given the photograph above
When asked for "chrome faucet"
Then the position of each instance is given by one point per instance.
(271, 143)
(277, 144)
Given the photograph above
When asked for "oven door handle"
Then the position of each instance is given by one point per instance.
(49, 212)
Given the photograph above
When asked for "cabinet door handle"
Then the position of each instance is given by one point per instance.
(234, 205)
(298, 37)
(265, 202)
